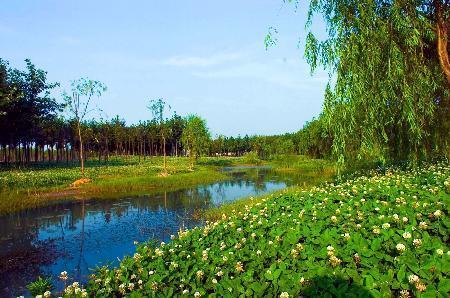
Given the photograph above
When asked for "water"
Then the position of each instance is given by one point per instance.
(78, 236)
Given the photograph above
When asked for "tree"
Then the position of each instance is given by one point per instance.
(4, 87)
(25, 106)
(83, 90)
(195, 137)
(388, 96)
(158, 108)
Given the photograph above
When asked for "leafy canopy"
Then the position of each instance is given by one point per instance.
(388, 96)
(196, 136)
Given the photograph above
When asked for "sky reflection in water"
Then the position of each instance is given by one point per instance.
(77, 236)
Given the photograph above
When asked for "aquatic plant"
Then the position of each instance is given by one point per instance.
(41, 286)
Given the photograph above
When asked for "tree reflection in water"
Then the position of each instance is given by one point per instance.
(77, 236)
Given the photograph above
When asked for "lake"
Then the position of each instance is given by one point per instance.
(77, 236)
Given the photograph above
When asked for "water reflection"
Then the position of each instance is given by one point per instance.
(78, 236)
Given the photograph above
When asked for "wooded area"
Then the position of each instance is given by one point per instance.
(34, 129)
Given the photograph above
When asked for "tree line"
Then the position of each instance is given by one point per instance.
(34, 129)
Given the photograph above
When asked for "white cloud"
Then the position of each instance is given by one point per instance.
(285, 73)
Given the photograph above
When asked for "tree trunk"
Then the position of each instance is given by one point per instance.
(81, 149)
(442, 40)
(164, 152)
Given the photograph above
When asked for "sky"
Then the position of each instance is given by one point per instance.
(202, 57)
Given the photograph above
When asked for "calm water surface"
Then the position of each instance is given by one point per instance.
(78, 236)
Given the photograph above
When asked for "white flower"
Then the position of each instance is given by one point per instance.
(406, 235)
(214, 281)
(197, 294)
(405, 219)
(47, 294)
(404, 294)
(199, 274)
(334, 218)
(63, 275)
(439, 251)
(258, 252)
(417, 242)
(386, 225)
(284, 295)
(437, 213)
(423, 225)
(401, 247)
(413, 279)
(334, 261)
(185, 291)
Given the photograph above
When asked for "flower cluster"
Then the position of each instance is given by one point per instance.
(384, 231)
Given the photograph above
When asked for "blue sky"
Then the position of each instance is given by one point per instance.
(203, 57)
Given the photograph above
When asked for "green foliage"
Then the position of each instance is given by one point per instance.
(25, 103)
(40, 286)
(387, 98)
(381, 234)
(252, 158)
(195, 136)
(83, 90)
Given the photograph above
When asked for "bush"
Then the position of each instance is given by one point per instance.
(251, 158)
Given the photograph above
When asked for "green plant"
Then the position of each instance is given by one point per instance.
(252, 158)
(383, 233)
(40, 286)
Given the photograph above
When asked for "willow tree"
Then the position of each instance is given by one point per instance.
(388, 62)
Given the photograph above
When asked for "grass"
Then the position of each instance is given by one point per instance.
(45, 184)
(381, 234)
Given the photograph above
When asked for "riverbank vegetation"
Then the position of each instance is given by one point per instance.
(43, 184)
(381, 234)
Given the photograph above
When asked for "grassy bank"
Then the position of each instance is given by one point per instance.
(379, 235)
(45, 184)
